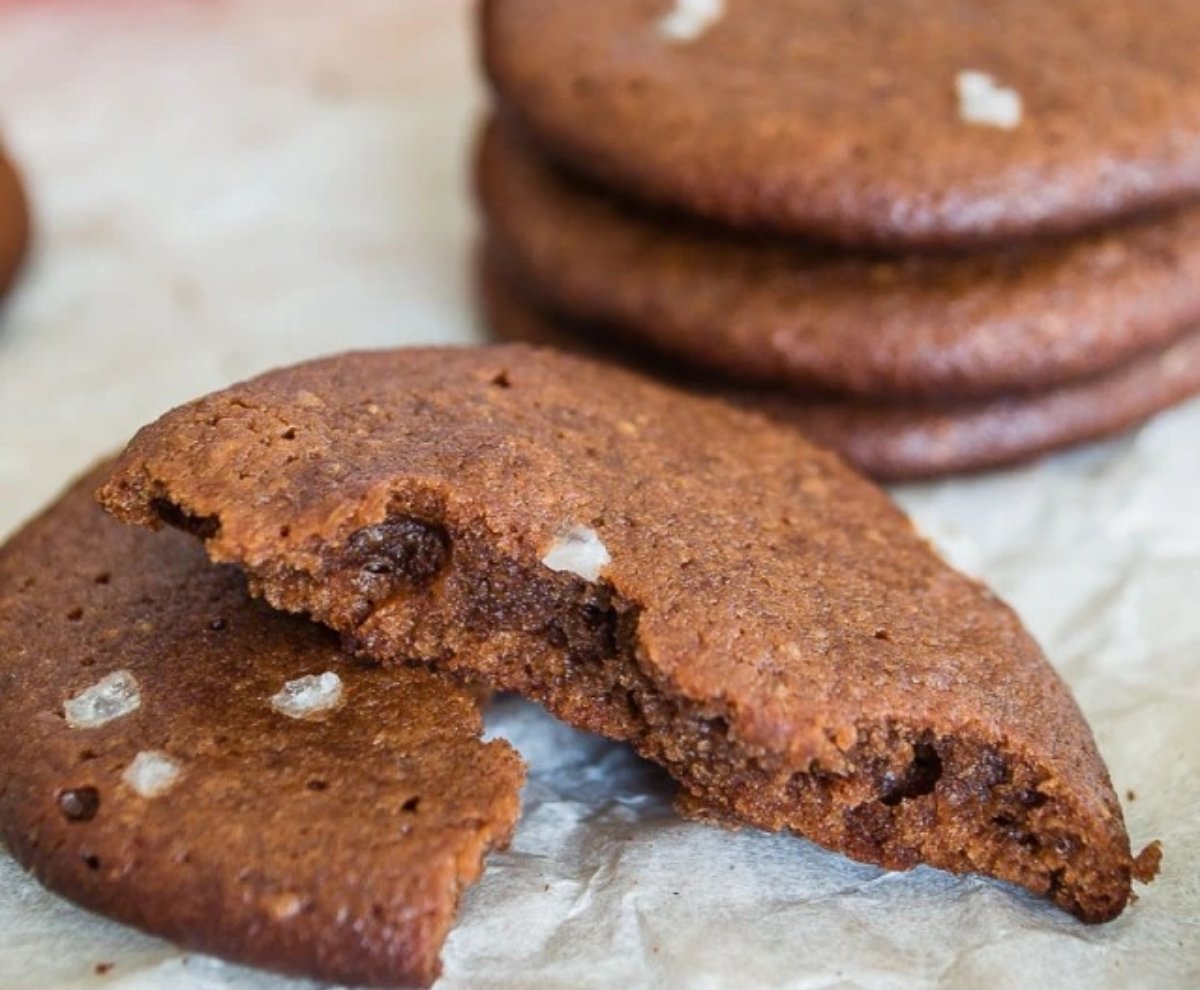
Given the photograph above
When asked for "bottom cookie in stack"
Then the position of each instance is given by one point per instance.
(184, 759)
(895, 441)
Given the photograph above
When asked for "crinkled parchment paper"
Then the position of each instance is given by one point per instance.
(226, 186)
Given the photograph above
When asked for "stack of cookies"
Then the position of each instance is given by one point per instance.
(936, 237)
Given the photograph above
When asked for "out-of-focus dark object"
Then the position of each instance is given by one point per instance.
(14, 222)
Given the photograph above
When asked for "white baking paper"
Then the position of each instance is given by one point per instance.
(226, 186)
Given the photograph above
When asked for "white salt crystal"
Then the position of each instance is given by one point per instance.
(110, 698)
(151, 773)
(982, 100)
(690, 19)
(307, 696)
(579, 551)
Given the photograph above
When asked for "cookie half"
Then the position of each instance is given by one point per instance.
(188, 761)
(899, 441)
(756, 311)
(14, 223)
(658, 568)
(926, 123)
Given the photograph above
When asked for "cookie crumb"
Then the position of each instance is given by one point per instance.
(579, 551)
(110, 698)
(1147, 863)
(309, 696)
(151, 774)
(104, 968)
(690, 19)
(982, 100)
(1130, 795)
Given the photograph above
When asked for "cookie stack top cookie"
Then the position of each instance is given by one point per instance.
(913, 123)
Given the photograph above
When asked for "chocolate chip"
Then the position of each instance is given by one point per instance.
(79, 804)
(919, 778)
(403, 549)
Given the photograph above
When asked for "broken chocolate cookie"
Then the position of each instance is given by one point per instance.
(659, 568)
(186, 760)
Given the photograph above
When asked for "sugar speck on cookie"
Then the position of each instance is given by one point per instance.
(982, 100)
(309, 696)
(689, 19)
(152, 773)
(112, 697)
(578, 550)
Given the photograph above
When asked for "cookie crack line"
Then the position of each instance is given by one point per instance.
(423, 559)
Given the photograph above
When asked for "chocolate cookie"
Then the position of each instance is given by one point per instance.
(1012, 320)
(658, 568)
(14, 223)
(908, 123)
(897, 441)
(186, 760)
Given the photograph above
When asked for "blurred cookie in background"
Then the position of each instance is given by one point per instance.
(14, 222)
(914, 123)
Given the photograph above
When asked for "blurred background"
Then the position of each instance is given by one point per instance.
(218, 188)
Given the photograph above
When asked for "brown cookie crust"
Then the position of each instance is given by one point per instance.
(333, 846)
(14, 223)
(898, 441)
(758, 311)
(841, 120)
(753, 615)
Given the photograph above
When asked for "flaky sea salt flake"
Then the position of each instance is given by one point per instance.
(113, 696)
(982, 100)
(689, 19)
(579, 551)
(151, 773)
(308, 696)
